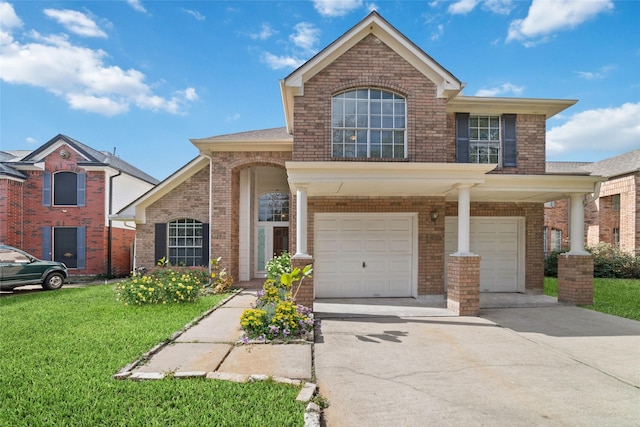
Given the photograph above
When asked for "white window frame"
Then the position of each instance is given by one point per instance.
(362, 123)
(484, 137)
(185, 224)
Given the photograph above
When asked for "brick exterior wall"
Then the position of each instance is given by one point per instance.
(575, 279)
(189, 200)
(11, 219)
(26, 216)
(557, 218)
(463, 285)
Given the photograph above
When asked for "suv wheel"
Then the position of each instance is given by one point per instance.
(53, 281)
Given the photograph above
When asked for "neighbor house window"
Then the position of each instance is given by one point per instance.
(550, 204)
(273, 207)
(615, 202)
(185, 242)
(546, 241)
(556, 239)
(616, 236)
(64, 189)
(368, 123)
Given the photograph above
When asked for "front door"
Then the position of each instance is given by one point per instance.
(280, 240)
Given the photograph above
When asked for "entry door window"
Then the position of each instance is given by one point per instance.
(65, 246)
(274, 207)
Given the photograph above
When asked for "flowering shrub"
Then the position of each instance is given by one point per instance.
(161, 286)
(220, 279)
(275, 315)
(279, 265)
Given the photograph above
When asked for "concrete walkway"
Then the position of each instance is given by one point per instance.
(549, 366)
(208, 349)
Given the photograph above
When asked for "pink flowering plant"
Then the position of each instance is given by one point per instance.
(276, 316)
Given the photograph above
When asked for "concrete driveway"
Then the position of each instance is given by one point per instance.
(554, 365)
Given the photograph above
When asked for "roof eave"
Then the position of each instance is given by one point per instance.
(491, 105)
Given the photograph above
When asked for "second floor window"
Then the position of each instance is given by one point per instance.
(274, 207)
(66, 189)
(484, 139)
(368, 123)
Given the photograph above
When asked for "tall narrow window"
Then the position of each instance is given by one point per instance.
(185, 242)
(368, 123)
(615, 202)
(65, 189)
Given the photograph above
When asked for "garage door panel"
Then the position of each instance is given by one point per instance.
(498, 242)
(365, 256)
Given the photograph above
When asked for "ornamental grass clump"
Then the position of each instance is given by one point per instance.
(276, 316)
(161, 286)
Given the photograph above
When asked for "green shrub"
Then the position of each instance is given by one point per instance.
(160, 286)
(609, 261)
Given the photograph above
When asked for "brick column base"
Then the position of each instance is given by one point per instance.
(463, 285)
(575, 279)
(305, 294)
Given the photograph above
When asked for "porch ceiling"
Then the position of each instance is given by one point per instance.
(431, 179)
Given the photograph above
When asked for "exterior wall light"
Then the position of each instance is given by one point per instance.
(434, 216)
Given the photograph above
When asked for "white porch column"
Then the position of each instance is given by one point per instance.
(464, 220)
(576, 233)
(301, 221)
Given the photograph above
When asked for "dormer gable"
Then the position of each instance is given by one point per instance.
(447, 84)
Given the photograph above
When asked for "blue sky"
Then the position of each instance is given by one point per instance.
(144, 77)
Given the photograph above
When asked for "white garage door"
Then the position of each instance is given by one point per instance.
(364, 255)
(500, 243)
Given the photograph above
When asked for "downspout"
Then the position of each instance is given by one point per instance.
(110, 236)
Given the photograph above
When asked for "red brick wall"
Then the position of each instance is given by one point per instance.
(463, 285)
(11, 195)
(557, 217)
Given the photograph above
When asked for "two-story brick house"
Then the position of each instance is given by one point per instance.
(612, 214)
(386, 178)
(55, 202)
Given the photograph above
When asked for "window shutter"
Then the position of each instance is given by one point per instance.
(161, 241)
(82, 248)
(205, 244)
(82, 189)
(46, 188)
(46, 243)
(462, 137)
(510, 156)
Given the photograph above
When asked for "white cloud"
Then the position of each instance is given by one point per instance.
(31, 140)
(306, 36)
(547, 17)
(137, 6)
(195, 14)
(232, 117)
(278, 62)
(76, 22)
(438, 32)
(594, 75)
(504, 89)
(501, 7)
(265, 32)
(8, 17)
(335, 8)
(600, 130)
(190, 94)
(82, 77)
(462, 7)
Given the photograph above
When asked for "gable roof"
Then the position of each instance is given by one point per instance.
(447, 84)
(274, 139)
(92, 158)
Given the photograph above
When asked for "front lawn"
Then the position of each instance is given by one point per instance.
(619, 297)
(60, 349)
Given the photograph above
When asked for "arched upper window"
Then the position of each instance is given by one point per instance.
(368, 123)
(274, 207)
(185, 242)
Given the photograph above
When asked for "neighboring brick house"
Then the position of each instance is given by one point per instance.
(55, 202)
(386, 178)
(612, 216)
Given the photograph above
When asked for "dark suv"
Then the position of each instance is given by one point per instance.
(18, 268)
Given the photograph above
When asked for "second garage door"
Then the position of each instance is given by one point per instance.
(500, 243)
(364, 255)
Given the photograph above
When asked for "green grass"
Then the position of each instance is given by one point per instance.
(59, 351)
(620, 297)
